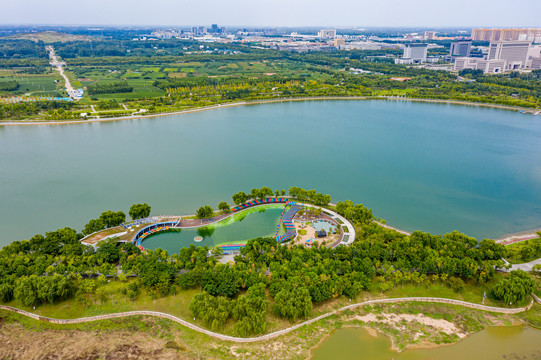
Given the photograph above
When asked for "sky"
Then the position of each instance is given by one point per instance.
(324, 13)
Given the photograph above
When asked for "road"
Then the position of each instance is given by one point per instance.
(60, 67)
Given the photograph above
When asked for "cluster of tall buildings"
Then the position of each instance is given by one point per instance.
(327, 33)
(201, 30)
(509, 49)
(533, 35)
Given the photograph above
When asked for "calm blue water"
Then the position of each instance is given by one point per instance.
(432, 167)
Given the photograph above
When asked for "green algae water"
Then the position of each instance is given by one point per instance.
(249, 224)
(493, 343)
(420, 166)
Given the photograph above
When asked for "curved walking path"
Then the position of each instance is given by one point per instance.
(525, 266)
(271, 335)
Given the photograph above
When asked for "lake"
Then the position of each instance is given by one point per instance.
(516, 342)
(432, 167)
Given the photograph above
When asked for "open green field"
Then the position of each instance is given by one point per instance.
(36, 85)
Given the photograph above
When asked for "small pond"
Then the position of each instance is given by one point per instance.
(517, 342)
(249, 224)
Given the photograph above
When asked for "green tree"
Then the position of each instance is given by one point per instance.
(139, 211)
(93, 226)
(456, 284)
(264, 192)
(527, 252)
(112, 218)
(109, 251)
(204, 212)
(293, 303)
(240, 198)
(26, 290)
(514, 288)
(213, 311)
(254, 193)
(6, 292)
(224, 207)
(222, 280)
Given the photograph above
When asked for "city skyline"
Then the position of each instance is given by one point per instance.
(279, 13)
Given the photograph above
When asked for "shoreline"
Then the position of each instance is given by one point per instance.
(519, 236)
(260, 102)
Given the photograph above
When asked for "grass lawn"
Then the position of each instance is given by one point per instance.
(115, 302)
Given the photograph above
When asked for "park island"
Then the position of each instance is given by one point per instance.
(271, 275)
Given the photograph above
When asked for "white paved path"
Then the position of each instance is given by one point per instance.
(271, 335)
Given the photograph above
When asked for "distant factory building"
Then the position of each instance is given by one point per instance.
(460, 48)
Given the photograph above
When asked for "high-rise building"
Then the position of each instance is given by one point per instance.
(529, 34)
(327, 33)
(515, 53)
(214, 29)
(460, 48)
(429, 35)
(198, 30)
(416, 52)
(502, 56)
(339, 43)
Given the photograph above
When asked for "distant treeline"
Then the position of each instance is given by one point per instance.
(109, 88)
(103, 47)
(18, 49)
(9, 85)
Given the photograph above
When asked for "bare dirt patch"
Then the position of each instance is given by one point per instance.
(20, 343)
(397, 320)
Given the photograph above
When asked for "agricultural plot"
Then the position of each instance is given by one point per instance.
(141, 89)
(35, 85)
